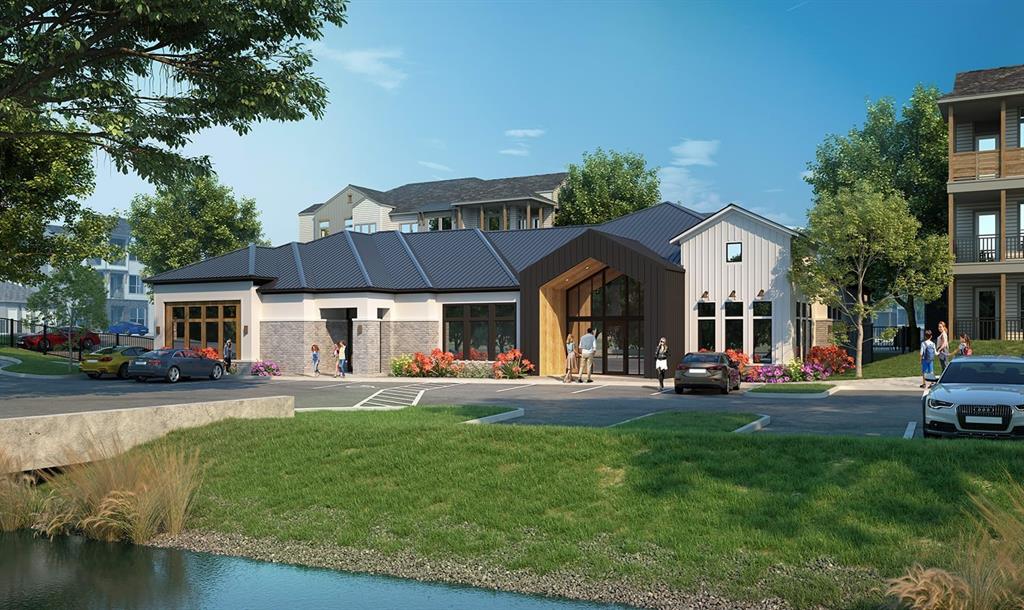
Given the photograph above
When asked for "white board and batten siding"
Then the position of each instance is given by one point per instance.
(765, 266)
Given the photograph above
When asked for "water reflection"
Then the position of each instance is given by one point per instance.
(75, 573)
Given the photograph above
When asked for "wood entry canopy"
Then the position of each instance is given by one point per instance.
(543, 285)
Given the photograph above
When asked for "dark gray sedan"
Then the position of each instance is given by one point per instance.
(173, 364)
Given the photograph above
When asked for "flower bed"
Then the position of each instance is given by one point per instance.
(439, 363)
(511, 365)
(266, 368)
(822, 362)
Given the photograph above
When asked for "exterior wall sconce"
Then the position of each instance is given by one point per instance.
(704, 296)
(760, 293)
(245, 330)
(732, 295)
(158, 330)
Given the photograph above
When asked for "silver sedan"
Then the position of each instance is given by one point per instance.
(976, 396)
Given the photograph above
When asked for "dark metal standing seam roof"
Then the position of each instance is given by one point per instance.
(466, 259)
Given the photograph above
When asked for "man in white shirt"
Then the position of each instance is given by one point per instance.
(588, 344)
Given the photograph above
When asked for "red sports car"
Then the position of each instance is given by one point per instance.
(57, 337)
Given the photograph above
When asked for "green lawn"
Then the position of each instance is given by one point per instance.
(36, 363)
(814, 520)
(793, 388)
(909, 365)
(693, 421)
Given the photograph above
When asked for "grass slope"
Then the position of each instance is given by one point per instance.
(793, 388)
(909, 365)
(815, 520)
(36, 363)
(692, 421)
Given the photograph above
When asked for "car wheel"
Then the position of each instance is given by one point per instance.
(94, 375)
(122, 371)
(173, 374)
(217, 372)
(680, 389)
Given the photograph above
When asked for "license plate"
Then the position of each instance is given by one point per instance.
(91, 361)
(699, 371)
(140, 362)
(978, 419)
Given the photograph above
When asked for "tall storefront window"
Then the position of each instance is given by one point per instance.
(762, 327)
(706, 327)
(612, 303)
(479, 331)
(734, 325)
(199, 325)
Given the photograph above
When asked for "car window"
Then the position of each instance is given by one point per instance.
(702, 358)
(1011, 373)
(105, 350)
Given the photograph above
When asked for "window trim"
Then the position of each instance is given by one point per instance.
(713, 319)
(409, 227)
(727, 246)
(986, 136)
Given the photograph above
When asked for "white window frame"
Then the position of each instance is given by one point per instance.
(410, 227)
(369, 227)
(135, 284)
(978, 139)
(324, 227)
(733, 243)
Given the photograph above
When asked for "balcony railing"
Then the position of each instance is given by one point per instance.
(978, 249)
(974, 165)
(986, 328)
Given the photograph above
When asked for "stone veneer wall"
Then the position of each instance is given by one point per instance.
(401, 338)
(288, 343)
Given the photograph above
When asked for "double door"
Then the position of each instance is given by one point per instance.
(619, 347)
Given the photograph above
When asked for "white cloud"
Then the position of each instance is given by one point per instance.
(804, 175)
(435, 166)
(520, 150)
(524, 133)
(694, 152)
(377, 65)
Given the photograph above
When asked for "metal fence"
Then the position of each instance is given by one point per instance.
(62, 341)
(900, 339)
(989, 328)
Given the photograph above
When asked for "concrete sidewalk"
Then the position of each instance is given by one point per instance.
(606, 380)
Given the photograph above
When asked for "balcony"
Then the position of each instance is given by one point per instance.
(974, 165)
(986, 328)
(985, 249)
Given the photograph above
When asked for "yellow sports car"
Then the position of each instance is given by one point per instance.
(110, 360)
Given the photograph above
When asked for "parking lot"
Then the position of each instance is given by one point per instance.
(597, 404)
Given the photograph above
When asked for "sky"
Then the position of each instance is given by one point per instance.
(728, 99)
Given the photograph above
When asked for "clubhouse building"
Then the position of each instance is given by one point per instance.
(704, 281)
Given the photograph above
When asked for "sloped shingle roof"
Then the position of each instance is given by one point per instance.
(991, 80)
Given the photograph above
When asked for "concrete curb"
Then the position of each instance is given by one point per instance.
(497, 417)
(856, 388)
(755, 426)
(8, 360)
(794, 395)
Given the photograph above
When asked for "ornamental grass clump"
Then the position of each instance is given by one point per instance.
(19, 498)
(117, 496)
(988, 570)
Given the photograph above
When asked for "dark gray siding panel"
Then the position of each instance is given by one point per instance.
(964, 135)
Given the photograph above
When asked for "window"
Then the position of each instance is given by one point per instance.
(410, 227)
(762, 327)
(536, 221)
(370, 227)
(479, 331)
(439, 223)
(706, 327)
(137, 314)
(348, 224)
(117, 285)
(493, 222)
(116, 313)
(135, 284)
(325, 228)
(734, 325)
(1020, 127)
(197, 325)
(986, 143)
(122, 244)
(734, 252)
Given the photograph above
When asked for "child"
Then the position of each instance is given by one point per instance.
(316, 359)
(341, 358)
(927, 358)
(964, 349)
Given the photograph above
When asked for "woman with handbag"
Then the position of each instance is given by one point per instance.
(661, 361)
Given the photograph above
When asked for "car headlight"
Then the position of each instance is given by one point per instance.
(934, 403)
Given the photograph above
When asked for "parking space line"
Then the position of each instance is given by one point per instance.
(626, 421)
(333, 385)
(416, 401)
(589, 389)
(661, 391)
(518, 387)
(367, 399)
(911, 427)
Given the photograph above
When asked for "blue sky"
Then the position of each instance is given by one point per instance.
(728, 98)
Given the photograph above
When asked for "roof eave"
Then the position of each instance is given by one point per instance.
(949, 99)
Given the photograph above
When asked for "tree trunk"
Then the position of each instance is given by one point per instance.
(860, 346)
(912, 332)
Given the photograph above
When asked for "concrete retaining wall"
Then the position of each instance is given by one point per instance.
(45, 441)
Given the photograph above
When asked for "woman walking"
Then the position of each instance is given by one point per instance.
(315, 351)
(661, 361)
(570, 358)
(942, 345)
(341, 358)
(229, 354)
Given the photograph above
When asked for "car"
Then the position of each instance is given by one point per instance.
(128, 328)
(57, 337)
(174, 364)
(110, 360)
(707, 370)
(976, 396)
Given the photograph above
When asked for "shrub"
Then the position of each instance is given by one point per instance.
(830, 358)
(19, 498)
(438, 364)
(266, 368)
(511, 365)
(399, 365)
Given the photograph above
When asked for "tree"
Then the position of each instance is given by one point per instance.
(860, 249)
(137, 79)
(187, 222)
(41, 181)
(605, 186)
(907, 153)
(73, 295)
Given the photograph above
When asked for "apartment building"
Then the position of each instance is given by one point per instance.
(523, 202)
(985, 116)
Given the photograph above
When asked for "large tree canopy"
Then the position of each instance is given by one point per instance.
(191, 221)
(72, 295)
(137, 78)
(605, 186)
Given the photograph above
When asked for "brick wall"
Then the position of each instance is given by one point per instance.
(288, 343)
(400, 338)
(365, 347)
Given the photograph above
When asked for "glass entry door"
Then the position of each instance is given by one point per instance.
(611, 303)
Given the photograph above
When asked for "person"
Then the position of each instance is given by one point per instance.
(942, 345)
(570, 358)
(661, 361)
(964, 349)
(927, 357)
(229, 354)
(341, 357)
(315, 350)
(588, 345)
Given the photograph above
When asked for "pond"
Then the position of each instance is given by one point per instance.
(75, 573)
